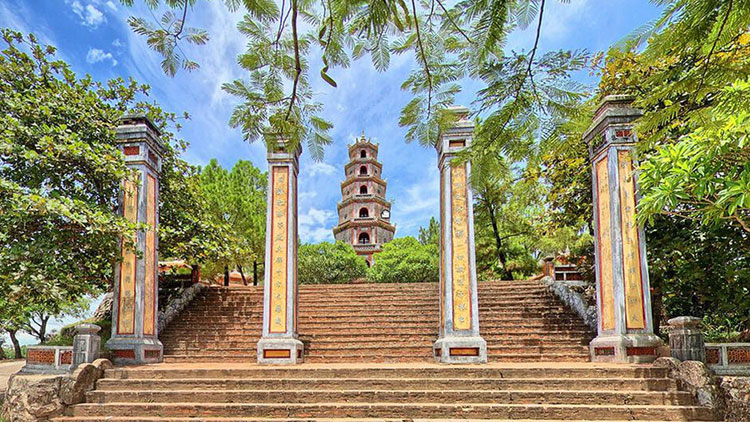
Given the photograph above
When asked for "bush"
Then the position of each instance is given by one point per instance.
(405, 260)
(325, 263)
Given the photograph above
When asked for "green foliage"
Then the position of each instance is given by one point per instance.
(235, 201)
(59, 181)
(66, 334)
(328, 263)
(706, 175)
(700, 270)
(447, 42)
(9, 353)
(405, 260)
(431, 234)
(691, 80)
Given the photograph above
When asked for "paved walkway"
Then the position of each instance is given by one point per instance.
(8, 368)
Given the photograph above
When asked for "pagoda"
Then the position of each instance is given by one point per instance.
(364, 213)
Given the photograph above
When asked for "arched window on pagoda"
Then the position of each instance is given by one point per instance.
(364, 213)
(363, 154)
(364, 238)
(363, 190)
(363, 171)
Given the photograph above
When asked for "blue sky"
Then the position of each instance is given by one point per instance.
(93, 36)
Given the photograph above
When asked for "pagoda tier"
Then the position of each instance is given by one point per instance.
(364, 213)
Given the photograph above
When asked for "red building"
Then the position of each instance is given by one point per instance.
(364, 213)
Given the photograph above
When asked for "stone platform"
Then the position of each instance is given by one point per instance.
(520, 321)
(380, 392)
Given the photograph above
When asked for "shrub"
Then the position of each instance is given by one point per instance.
(326, 262)
(405, 260)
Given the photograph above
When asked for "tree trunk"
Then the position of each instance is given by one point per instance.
(226, 275)
(255, 273)
(43, 328)
(656, 308)
(16, 344)
(242, 274)
(506, 275)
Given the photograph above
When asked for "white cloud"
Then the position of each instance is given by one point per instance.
(111, 6)
(314, 225)
(89, 14)
(117, 43)
(321, 168)
(96, 55)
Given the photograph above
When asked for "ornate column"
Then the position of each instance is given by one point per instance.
(459, 340)
(136, 291)
(279, 343)
(625, 326)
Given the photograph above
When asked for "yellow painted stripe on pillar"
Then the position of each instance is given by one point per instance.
(279, 233)
(631, 253)
(606, 277)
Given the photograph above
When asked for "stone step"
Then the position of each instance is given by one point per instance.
(398, 297)
(445, 396)
(387, 348)
(235, 419)
(384, 329)
(387, 313)
(397, 319)
(432, 371)
(379, 358)
(498, 384)
(216, 307)
(245, 342)
(380, 334)
(398, 410)
(540, 310)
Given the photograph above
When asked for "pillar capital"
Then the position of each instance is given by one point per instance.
(625, 326)
(612, 124)
(456, 138)
(284, 152)
(140, 141)
(135, 337)
(459, 340)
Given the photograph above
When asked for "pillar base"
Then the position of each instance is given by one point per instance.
(460, 350)
(625, 348)
(280, 351)
(135, 351)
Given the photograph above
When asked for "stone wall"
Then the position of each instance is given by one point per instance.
(37, 398)
(729, 396)
(735, 395)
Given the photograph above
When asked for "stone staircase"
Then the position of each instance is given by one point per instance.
(520, 320)
(386, 392)
(368, 359)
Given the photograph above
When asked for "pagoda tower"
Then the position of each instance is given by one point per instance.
(364, 213)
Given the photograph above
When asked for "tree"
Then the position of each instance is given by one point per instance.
(328, 263)
(431, 234)
(691, 81)
(448, 42)
(236, 201)
(405, 260)
(59, 180)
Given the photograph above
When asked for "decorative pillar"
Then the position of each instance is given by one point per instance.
(686, 339)
(625, 326)
(459, 340)
(86, 344)
(279, 343)
(136, 292)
